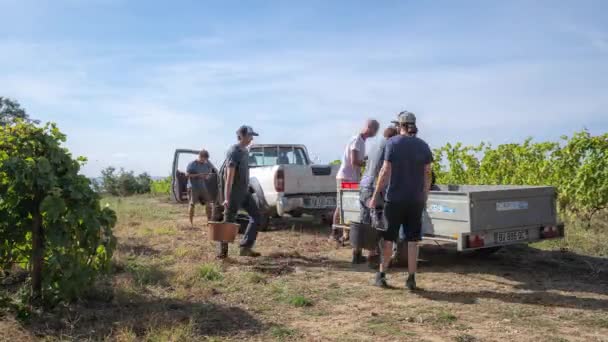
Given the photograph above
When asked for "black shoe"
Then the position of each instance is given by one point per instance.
(380, 280)
(248, 252)
(222, 251)
(410, 283)
(358, 259)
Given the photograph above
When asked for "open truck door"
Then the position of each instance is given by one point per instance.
(179, 181)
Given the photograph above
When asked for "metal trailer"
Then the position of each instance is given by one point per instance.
(479, 216)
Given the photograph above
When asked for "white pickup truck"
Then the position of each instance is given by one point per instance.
(282, 178)
(285, 181)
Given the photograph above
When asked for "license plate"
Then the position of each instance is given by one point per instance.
(319, 202)
(511, 236)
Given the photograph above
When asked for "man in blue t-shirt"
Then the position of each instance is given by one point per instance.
(407, 169)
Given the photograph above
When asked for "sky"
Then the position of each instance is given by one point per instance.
(131, 81)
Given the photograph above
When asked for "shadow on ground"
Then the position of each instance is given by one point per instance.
(140, 316)
(539, 276)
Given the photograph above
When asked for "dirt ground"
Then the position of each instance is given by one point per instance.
(166, 286)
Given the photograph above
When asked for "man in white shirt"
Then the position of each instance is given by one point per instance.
(353, 159)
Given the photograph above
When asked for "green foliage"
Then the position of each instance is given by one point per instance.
(11, 111)
(336, 162)
(161, 186)
(124, 183)
(577, 166)
(39, 178)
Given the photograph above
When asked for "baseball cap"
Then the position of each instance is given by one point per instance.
(405, 117)
(246, 130)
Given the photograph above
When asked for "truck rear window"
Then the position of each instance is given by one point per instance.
(270, 156)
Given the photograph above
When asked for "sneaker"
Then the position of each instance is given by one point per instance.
(380, 280)
(248, 252)
(410, 283)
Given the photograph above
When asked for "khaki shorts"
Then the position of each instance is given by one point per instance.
(198, 195)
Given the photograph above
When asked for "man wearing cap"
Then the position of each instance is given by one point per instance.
(407, 170)
(353, 159)
(197, 171)
(235, 194)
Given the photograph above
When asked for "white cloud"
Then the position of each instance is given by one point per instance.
(136, 114)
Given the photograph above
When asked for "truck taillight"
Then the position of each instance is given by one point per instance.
(279, 181)
(349, 185)
(475, 241)
(549, 232)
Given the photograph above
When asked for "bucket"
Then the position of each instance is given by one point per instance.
(223, 231)
(363, 236)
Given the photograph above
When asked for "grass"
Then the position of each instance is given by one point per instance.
(145, 274)
(386, 325)
(582, 238)
(444, 318)
(597, 321)
(167, 286)
(210, 272)
(282, 333)
(466, 338)
(255, 278)
(299, 301)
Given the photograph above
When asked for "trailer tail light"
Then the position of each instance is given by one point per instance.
(350, 185)
(279, 181)
(549, 232)
(475, 241)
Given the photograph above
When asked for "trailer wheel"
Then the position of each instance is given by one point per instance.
(295, 213)
(264, 216)
(485, 251)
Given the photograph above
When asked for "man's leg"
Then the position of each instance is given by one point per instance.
(364, 218)
(413, 234)
(251, 233)
(412, 257)
(392, 215)
(191, 213)
(191, 204)
(209, 211)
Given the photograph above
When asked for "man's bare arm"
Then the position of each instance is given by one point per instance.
(230, 171)
(385, 174)
(427, 180)
(354, 159)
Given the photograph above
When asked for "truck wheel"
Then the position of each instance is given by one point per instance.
(264, 223)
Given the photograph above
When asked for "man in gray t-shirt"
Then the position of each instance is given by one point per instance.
(367, 185)
(234, 192)
(197, 172)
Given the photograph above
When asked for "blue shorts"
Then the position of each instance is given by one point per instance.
(406, 214)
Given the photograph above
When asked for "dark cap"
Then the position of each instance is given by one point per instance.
(404, 118)
(246, 131)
